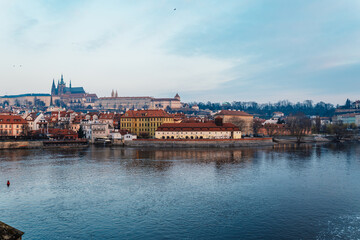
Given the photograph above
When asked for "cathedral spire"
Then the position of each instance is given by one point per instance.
(116, 94)
(53, 88)
(62, 79)
(70, 83)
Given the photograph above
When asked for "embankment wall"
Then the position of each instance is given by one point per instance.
(198, 143)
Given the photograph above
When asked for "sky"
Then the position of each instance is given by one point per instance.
(234, 50)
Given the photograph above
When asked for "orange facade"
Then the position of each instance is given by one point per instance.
(12, 125)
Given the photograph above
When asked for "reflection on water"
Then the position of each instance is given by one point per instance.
(280, 192)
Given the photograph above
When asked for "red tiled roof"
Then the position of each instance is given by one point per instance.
(58, 131)
(145, 113)
(127, 98)
(192, 126)
(106, 116)
(233, 113)
(165, 99)
(12, 119)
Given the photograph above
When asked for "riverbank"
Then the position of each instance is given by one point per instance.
(42, 144)
(199, 143)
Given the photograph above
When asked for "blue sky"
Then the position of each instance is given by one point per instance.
(248, 50)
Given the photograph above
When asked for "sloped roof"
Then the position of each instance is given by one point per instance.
(233, 113)
(74, 90)
(145, 113)
(106, 116)
(12, 119)
(197, 126)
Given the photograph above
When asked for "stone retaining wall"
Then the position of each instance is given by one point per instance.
(21, 144)
(200, 144)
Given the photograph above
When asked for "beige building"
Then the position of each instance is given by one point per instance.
(12, 125)
(242, 120)
(207, 130)
(122, 103)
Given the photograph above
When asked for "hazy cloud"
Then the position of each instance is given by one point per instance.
(256, 50)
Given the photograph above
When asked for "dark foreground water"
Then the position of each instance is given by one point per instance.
(281, 192)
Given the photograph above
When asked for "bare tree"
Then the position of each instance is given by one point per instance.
(257, 124)
(240, 123)
(271, 129)
(339, 130)
(299, 125)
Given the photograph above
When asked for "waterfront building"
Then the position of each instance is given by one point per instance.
(242, 120)
(12, 125)
(36, 121)
(144, 122)
(349, 118)
(62, 134)
(125, 103)
(118, 135)
(98, 130)
(198, 130)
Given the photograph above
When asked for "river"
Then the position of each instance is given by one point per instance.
(280, 192)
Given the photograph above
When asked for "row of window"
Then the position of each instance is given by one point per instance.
(218, 133)
(8, 131)
(142, 119)
(141, 125)
(172, 137)
(6, 126)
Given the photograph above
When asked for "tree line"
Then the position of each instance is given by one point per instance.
(308, 107)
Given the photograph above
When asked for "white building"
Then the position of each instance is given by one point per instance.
(98, 130)
(199, 130)
(36, 121)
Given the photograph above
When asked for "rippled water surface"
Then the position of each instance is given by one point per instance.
(281, 192)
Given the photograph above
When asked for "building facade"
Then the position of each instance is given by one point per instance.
(12, 125)
(125, 103)
(199, 130)
(242, 120)
(144, 122)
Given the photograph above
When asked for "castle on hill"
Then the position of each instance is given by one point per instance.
(72, 96)
(61, 88)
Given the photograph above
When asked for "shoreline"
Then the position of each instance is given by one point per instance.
(5, 145)
(154, 143)
(200, 143)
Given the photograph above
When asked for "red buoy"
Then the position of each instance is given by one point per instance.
(8, 183)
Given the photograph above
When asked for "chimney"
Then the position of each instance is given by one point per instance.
(218, 121)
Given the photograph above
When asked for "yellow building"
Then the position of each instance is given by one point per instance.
(144, 122)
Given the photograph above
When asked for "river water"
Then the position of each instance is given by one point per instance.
(280, 192)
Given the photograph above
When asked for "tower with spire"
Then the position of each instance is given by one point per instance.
(61, 86)
(53, 88)
(62, 89)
